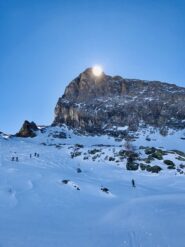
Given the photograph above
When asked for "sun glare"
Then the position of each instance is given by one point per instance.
(97, 70)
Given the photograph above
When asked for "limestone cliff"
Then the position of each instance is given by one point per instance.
(98, 104)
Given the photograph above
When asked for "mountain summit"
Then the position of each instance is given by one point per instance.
(97, 104)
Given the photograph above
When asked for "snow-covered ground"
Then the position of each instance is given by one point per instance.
(174, 139)
(39, 209)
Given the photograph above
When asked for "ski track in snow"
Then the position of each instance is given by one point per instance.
(134, 240)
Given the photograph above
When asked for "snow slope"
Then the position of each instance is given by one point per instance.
(38, 209)
(174, 139)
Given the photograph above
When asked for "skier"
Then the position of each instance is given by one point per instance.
(133, 183)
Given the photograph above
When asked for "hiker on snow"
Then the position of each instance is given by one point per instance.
(133, 183)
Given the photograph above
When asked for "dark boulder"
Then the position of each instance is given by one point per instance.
(28, 129)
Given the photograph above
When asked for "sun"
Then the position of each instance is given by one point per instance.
(97, 70)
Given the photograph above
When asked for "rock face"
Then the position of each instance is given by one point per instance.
(98, 104)
(28, 129)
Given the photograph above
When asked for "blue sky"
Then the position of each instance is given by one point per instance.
(45, 44)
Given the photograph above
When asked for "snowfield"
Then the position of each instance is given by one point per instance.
(57, 201)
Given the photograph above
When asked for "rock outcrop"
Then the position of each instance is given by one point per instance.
(28, 129)
(99, 104)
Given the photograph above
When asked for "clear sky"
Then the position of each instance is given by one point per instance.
(44, 44)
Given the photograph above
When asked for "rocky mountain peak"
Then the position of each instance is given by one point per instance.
(98, 104)
(28, 129)
(87, 86)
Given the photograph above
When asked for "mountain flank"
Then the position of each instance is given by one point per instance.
(100, 104)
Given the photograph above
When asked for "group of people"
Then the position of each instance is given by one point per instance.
(34, 155)
(15, 158)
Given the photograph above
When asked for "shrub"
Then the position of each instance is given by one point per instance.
(155, 153)
(122, 153)
(158, 154)
(182, 166)
(94, 151)
(170, 164)
(79, 145)
(149, 159)
(104, 189)
(78, 170)
(171, 167)
(179, 152)
(65, 181)
(150, 150)
(141, 147)
(95, 157)
(155, 169)
(148, 138)
(75, 154)
(142, 166)
(127, 153)
(180, 158)
(111, 159)
(132, 154)
(180, 171)
(132, 166)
